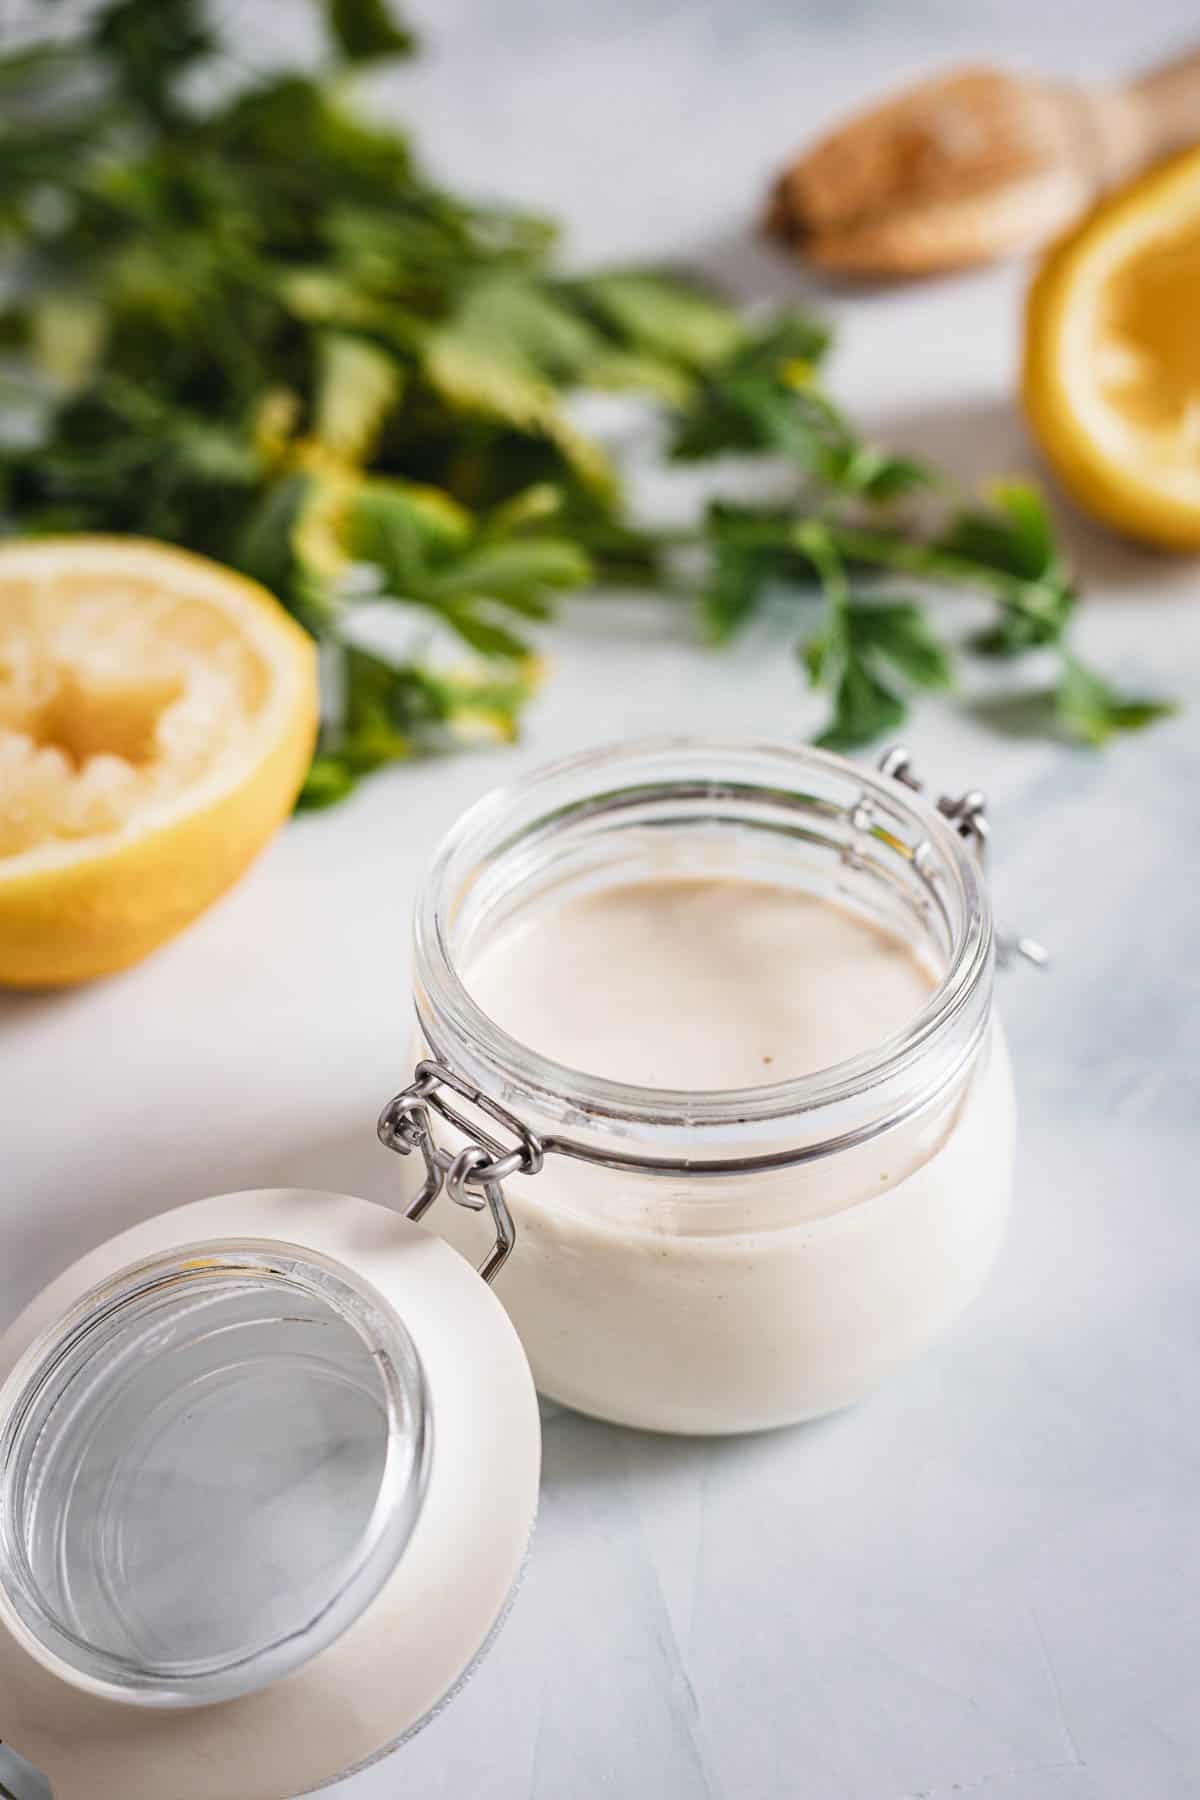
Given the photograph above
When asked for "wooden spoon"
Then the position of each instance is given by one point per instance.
(975, 164)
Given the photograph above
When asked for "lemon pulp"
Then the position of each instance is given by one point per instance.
(112, 702)
(1149, 330)
(1112, 358)
(157, 713)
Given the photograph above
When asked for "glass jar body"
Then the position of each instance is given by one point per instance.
(711, 1263)
(717, 1331)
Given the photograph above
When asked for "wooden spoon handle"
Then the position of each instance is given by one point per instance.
(1168, 101)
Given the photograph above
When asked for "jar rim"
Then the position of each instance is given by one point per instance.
(562, 1091)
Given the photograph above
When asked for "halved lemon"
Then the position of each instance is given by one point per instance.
(157, 715)
(1112, 357)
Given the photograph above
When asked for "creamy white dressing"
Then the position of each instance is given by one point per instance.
(699, 983)
(735, 1302)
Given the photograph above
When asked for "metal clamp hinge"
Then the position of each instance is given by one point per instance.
(968, 815)
(473, 1176)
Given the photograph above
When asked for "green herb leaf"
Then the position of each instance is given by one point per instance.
(501, 353)
(865, 708)
(384, 709)
(761, 397)
(149, 43)
(486, 635)
(1091, 711)
(899, 632)
(751, 547)
(429, 554)
(1014, 539)
(329, 780)
(357, 384)
(517, 572)
(528, 510)
(663, 318)
(406, 531)
(1032, 536)
(1012, 536)
(390, 712)
(364, 30)
(861, 639)
(872, 473)
(732, 593)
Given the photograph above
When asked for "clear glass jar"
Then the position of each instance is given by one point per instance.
(727, 1261)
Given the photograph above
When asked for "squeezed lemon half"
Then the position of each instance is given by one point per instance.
(157, 715)
(1112, 358)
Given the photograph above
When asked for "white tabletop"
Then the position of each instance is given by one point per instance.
(986, 1579)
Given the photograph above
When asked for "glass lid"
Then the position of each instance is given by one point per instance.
(268, 1474)
(211, 1467)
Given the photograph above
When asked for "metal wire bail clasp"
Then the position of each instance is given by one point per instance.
(472, 1176)
(968, 815)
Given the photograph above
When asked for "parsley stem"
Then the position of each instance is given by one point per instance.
(815, 540)
(889, 551)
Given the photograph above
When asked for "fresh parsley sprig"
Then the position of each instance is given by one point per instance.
(254, 326)
(855, 520)
(239, 316)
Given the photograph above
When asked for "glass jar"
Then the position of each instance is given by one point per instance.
(269, 1462)
(726, 1261)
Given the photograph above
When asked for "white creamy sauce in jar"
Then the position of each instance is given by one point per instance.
(700, 983)
(735, 1301)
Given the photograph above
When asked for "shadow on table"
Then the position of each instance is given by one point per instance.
(578, 1451)
(747, 267)
(20, 1007)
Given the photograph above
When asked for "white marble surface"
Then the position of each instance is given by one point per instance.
(987, 1579)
